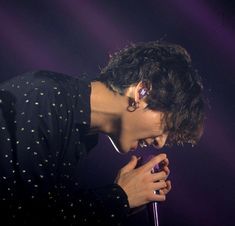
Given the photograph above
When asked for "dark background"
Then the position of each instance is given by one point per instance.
(76, 37)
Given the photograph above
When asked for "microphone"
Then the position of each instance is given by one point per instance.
(152, 206)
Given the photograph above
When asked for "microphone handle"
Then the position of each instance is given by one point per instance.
(153, 214)
(152, 206)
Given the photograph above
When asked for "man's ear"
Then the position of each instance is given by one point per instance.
(141, 91)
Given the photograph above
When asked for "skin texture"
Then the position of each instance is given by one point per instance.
(141, 189)
(110, 115)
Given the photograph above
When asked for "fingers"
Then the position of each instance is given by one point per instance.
(130, 165)
(166, 162)
(162, 175)
(159, 185)
(156, 192)
(140, 183)
(159, 197)
(166, 189)
(161, 190)
(156, 160)
(166, 170)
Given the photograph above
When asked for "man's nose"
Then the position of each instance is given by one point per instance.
(160, 141)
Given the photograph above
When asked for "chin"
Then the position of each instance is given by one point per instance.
(124, 147)
(128, 149)
(124, 150)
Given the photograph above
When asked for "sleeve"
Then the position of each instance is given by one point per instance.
(35, 193)
(29, 152)
(107, 205)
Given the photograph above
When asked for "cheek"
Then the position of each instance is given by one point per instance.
(133, 124)
(147, 122)
(140, 125)
(126, 143)
(151, 124)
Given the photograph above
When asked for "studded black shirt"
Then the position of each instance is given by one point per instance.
(44, 123)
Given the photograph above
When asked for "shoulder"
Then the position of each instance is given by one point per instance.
(49, 82)
(39, 76)
(42, 78)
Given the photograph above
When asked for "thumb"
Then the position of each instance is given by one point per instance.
(130, 165)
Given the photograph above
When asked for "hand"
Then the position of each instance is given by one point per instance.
(140, 184)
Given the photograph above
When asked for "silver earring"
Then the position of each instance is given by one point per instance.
(132, 105)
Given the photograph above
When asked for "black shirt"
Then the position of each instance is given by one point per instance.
(44, 124)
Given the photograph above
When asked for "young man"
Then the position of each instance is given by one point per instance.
(148, 94)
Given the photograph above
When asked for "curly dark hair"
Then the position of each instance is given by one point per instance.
(176, 87)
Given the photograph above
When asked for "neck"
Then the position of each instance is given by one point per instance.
(106, 108)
